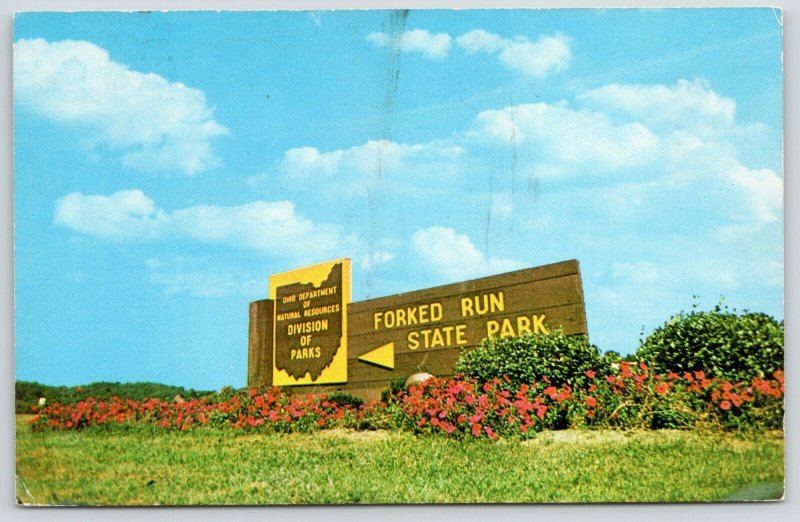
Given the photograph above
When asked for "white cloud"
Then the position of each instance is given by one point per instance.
(558, 134)
(481, 41)
(762, 190)
(545, 56)
(686, 104)
(454, 256)
(154, 124)
(404, 167)
(122, 215)
(376, 258)
(431, 46)
(274, 228)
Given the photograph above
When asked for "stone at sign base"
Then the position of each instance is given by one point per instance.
(417, 378)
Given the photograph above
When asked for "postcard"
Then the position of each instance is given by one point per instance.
(398, 256)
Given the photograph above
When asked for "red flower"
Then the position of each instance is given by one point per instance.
(590, 374)
(725, 405)
(476, 430)
(490, 433)
(662, 388)
(591, 402)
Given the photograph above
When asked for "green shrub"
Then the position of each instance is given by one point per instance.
(345, 399)
(563, 359)
(396, 385)
(722, 343)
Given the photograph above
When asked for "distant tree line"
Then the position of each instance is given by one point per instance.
(29, 393)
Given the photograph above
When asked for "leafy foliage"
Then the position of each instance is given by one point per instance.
(529, 358)
(341, 398)
(28, 393)
(720, 342)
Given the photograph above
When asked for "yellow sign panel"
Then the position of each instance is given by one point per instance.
(310, 324)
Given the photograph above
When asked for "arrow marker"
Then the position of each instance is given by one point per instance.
(382, 356)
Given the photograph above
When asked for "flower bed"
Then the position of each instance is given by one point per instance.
(632, 397)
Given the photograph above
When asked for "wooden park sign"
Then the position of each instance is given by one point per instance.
(393, 337)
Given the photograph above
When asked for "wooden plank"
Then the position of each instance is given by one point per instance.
(260, 344)
(484, 284)
(571, 317)
(523, 296)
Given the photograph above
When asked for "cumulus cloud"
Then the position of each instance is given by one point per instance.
(563, 135)
(376, 160)
(431, 46)
(155, 124)
(686, 104)
(122, 215)
(545, 56)
(274, 228)
(762, 189)
(454, 256)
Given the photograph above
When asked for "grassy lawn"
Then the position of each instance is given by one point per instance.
(145, 466)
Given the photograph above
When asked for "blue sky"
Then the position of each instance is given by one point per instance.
(167, 163)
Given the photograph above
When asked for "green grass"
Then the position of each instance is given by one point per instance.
(147, 466)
